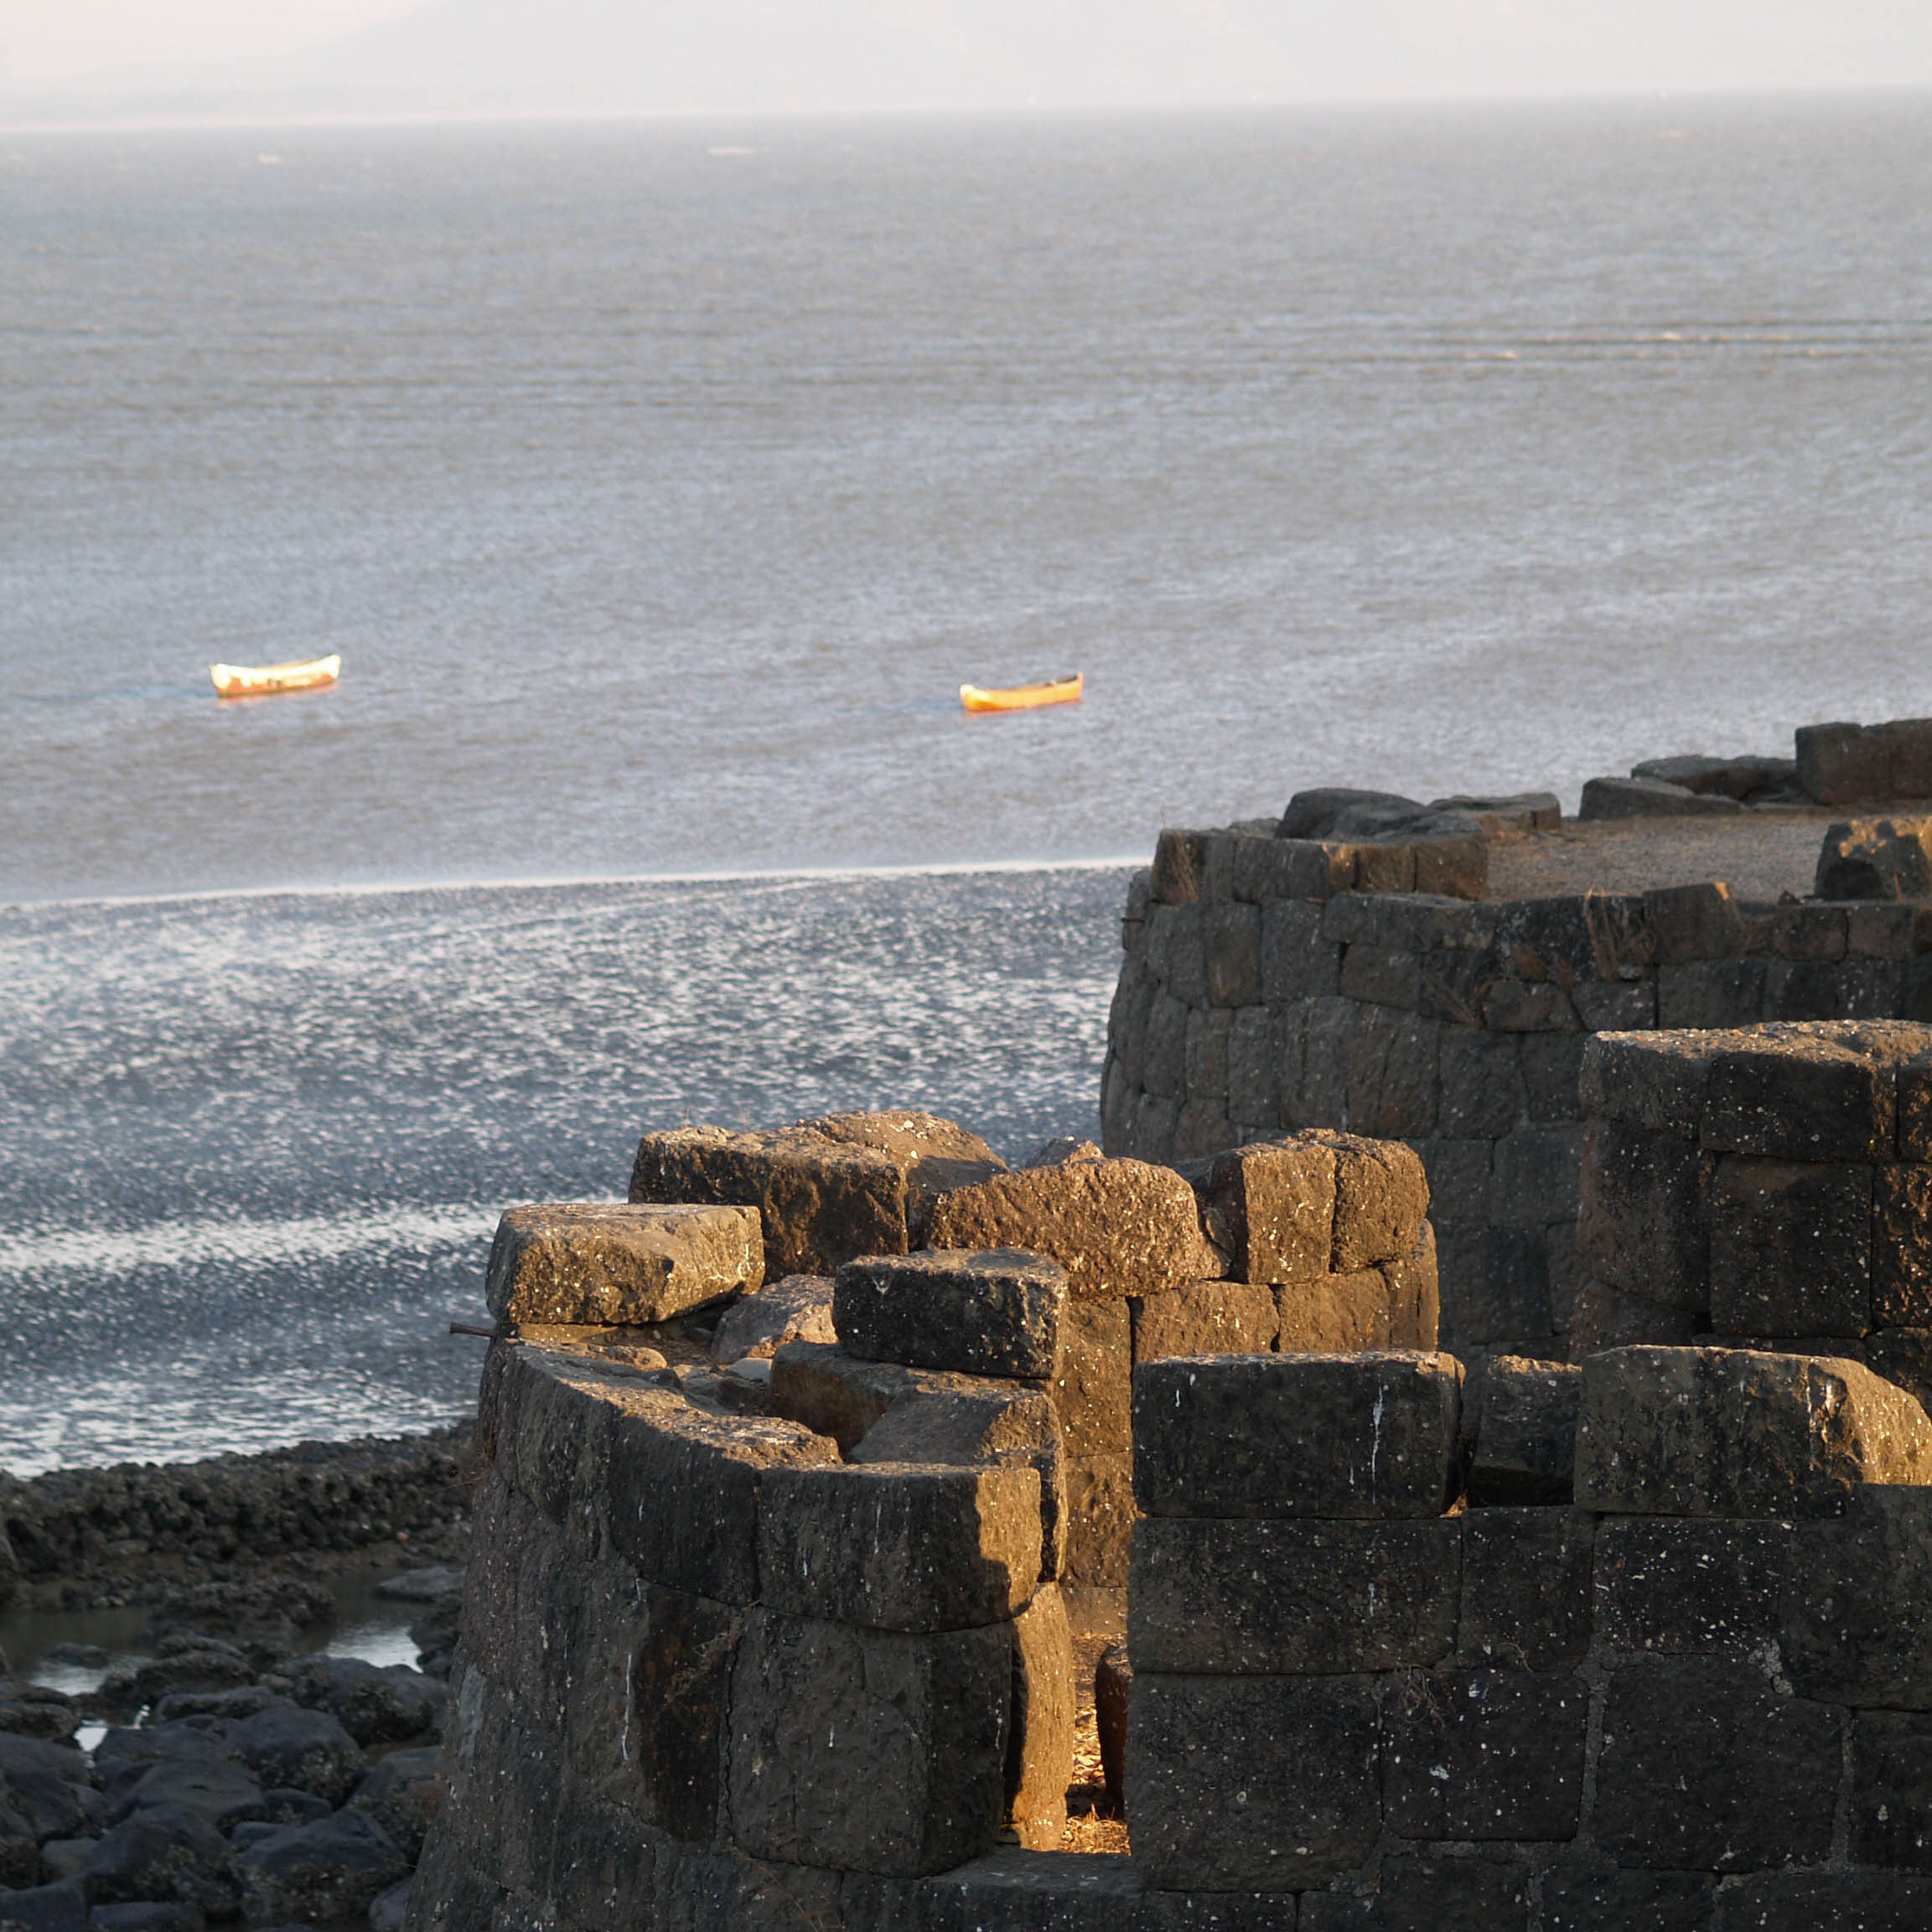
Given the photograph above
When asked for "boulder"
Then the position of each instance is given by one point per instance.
(1118, 1227)
(588, 1262)
(1381, 1199)
(1692, 1431)
(49, 1805)
(1882, 858)
(1650, 798)
(827, 1189)
(223, 1793)
(307, 1750)
(193, 1663)
(1323, 811)
(796, 1309)
(375, 1704)
(262, 1616)
(1743, 779)
(402, 1793)
(227, 1705)
(1507, 812)
(148, 1915)
(34, 1711)
(389, 1911)
(59, 1908)
(989, 1313)
(323, 1872)
(163, 1851)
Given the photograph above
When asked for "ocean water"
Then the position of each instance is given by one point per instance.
(660, 482)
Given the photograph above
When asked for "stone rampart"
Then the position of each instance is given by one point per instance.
(1367, 964)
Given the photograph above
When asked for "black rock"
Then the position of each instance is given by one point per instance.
(61, 1908)
(165, 1851)
(375, 1705)
(147, 1915)
(309, 1750)
(228, 1705)
(285, 1805)
(388, 1909)
(223, 1793)
(329, 1870)
(402, 1793)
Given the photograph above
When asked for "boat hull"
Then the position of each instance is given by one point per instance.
(1024, 696)
(266, 680)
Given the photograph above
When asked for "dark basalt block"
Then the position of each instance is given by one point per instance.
(993, 1314)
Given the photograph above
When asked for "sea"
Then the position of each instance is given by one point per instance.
(658, 483)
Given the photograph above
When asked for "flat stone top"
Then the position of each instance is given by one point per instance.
(1758, 853)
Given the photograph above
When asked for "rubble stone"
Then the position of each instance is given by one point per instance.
(589, 1261)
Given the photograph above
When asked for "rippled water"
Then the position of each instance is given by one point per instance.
(253, 1149)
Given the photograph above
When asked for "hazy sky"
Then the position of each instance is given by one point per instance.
(1102, 50)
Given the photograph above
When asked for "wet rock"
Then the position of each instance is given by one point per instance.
(433, 1584)
(323, 1872)
(51, 1806)
(262, 1617)
(165, 1851)
(182, 1664)
(796, 1309)
(230, 1707)
(375, 1705)
(402, 1793)
(388, 1910)
(64, 1858)
(77, 1656)
(34, 1711)
(309, 1750)
(19, 1855)
(583, 1262)
(59, 1908)
(282, 1805)
(146, 1916)
(989, 1313)
(223, 1793)
(124, 1755)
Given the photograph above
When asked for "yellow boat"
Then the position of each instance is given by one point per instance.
(1024, 696)
(260, 681)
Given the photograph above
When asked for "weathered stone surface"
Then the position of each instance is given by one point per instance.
(1706, 1767)
(1525, 1431)
(1901, 1245)
(1649, 798)
(1643, 1220)
(827, 1189)
(1093, 1378)
(926, 1716)
(990, 1313)
(1802, 1092)
(1506, 812)
(1891, 1822)
(301, 1750)
(1880, 858)
(375, 1705)
(402, 1793)
(1627, 1901)
(1525, 1587)
(1263, 1436)
(679, 1692)
(1381, 1199)
(1211, 1318)
(900, 1545)
(1415, 1295)
(325, 1871)
(1336, 1315)
(1340, 811)
(1251, 1783)
(1903, 1356)
(1113, 1680)
(1040, 1750)
(1271, 1207)
(1650, 1081)
(1697, 1586)
(1291, 1598)
(1118, 1227)
(590, 1262)
(1739, 1432)
(1738, 778)
(1840, 763)
(1180, 866)
(223, 1793)
(1791, 1248)
(1603, 1316)
(1428, 1895)
(1825, 1902)
(796, 1309)
(1476, 1755)
(165, 1851)
(1021, 1891)
(1855, 1621)
(1100, 1519)
(61, 1907)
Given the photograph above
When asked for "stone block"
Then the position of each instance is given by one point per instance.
(1177, 952)
(1113, 1680)
(797, 1309)
(680, 1502)
(1371, 1067)
(1791, 1248)
(1414, 1288)
(1498, 813)
(1255, 1066)
(1305, 1435)
(1525, 1419)
(678, 1692)
(1040, 1747)
(1118, 1227)
(1297, 961)
(1428, 1895)
(1337, 1314)
(1738, 778)
(1808, 932)
(1381, 976)
(1909, 751)
(1567, 1274)
(1739, 1432)
(1650, 798)
(826, 1189)
(1693, 922)
(1535, 1177)
(1232, 935)
(1381, 1199)
(1022, 1891)
(1483, 1094)
(1214, 1319)
(1525, 1591)
(1483, 1754)
(1856, 1617)
(1643, 1221)
(1604, 1317)
(1903, 1356)
(1706, 993)
(1552, 1063)
(1891, 1788)
(1704, 1766)
(1677, 1586)
(584, 1262)
(1620, 1006)
(1517, 1007)
(1496, 1289)
(1100, 1520)
(868, 1750)
(1202, 1127)
(1093, 1380)
(1901, 1243)
(1794, 1093)
(1840, 763)
(1577, 1901)
(994, 1312)
(1290, 1598)
(1270, 1207)
(1180, 868)
(1251, 1783)
(1453, 868)
(900, 1545)
(1825, 1902)
(1342, 812)
(1164, 1047)
(1204, 1055)
(1458, 1176)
